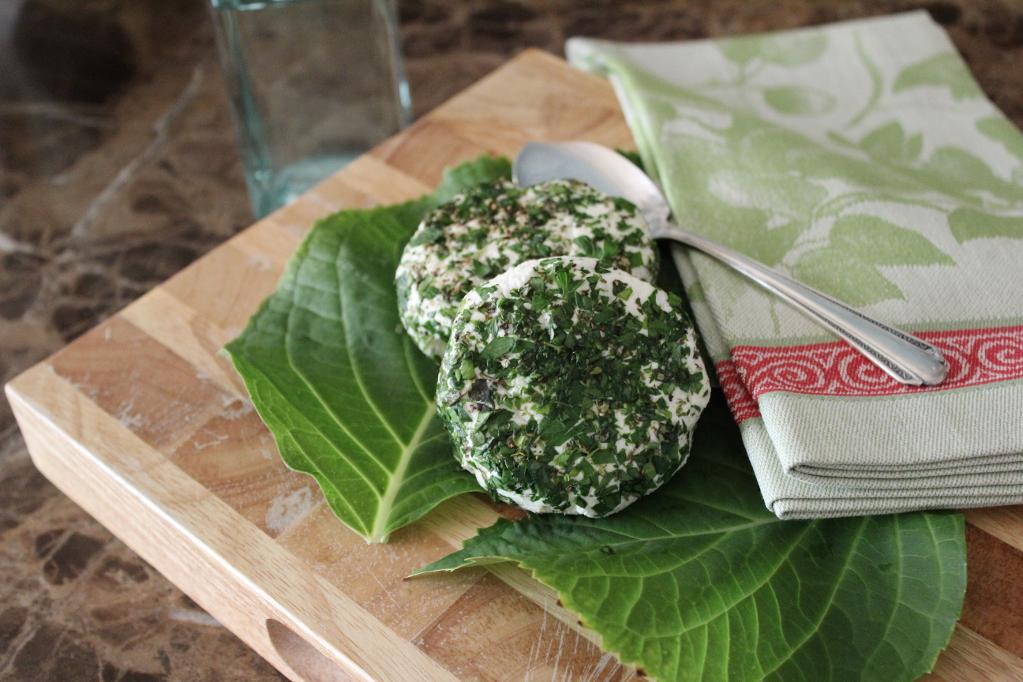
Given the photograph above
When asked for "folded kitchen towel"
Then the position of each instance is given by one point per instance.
(862, 159)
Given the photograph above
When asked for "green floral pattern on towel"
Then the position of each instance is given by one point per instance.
(868, 167)
(942, 70)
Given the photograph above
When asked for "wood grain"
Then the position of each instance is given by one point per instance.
(148, 428)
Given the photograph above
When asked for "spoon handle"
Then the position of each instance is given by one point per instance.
(905, 358)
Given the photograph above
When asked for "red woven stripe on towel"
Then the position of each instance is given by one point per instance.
(974, 356)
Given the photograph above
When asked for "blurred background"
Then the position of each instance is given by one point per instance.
(119, 166)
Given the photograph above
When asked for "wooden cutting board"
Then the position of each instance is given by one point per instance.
(147, 427)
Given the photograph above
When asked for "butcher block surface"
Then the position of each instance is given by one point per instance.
(145, 424)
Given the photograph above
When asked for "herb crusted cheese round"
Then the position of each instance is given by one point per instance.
(571, 387)
(493, 227)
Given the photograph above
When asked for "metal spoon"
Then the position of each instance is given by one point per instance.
(905, 358)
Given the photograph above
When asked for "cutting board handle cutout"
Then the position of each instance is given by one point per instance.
(302, 657)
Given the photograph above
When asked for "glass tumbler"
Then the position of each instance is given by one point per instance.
(312, 83)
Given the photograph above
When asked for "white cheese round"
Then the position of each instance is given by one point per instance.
(569, 386)
(494, 227)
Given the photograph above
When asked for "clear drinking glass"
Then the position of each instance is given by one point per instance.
(312, 83)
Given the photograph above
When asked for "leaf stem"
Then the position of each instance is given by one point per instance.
(876, 81)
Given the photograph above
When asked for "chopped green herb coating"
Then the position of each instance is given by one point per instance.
(493, 227)
(568, 386)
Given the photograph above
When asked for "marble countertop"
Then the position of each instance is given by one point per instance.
(118, 167)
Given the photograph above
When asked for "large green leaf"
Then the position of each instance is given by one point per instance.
(699, 581)
(348, 398)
